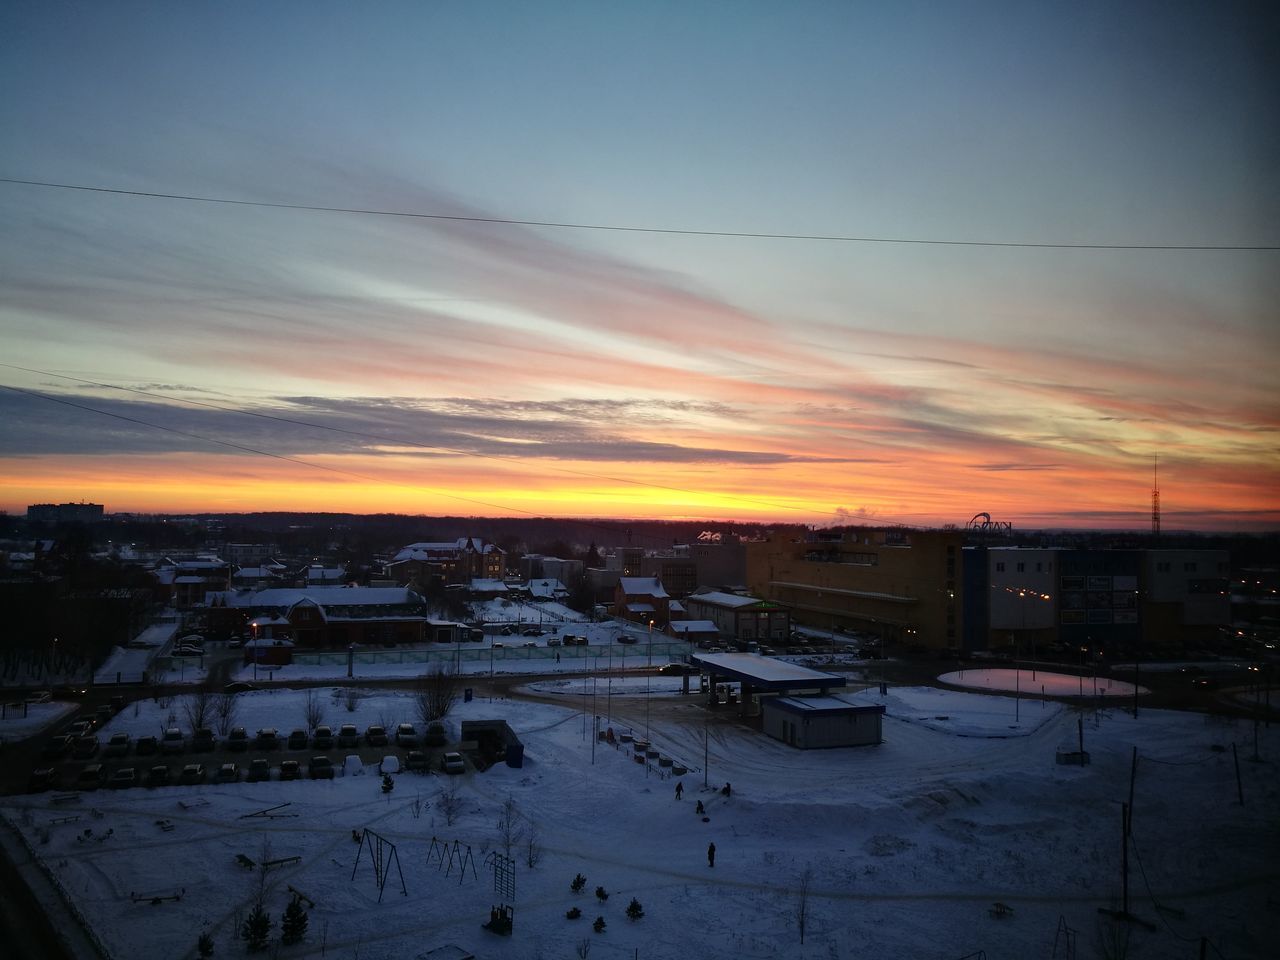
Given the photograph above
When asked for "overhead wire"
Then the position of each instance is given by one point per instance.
(628, 228)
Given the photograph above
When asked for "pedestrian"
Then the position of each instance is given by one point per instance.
(557, 656)
(679, 789)
(726, 790)
(711, 855)
(701, 809)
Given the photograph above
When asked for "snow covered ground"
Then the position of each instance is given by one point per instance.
(908, 844)
(14, 726)
(1030, 682)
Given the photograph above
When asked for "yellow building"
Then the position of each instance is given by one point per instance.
(903, 586)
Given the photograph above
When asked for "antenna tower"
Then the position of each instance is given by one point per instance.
(1155, 496)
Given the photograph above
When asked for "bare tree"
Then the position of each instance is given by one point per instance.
(313, 707)
(532, 848)
(225, 710)
(801, 912)
(436, 692)
(450, 806)
(350, 699)
(197, 707)
(583, 949)
(510, 832)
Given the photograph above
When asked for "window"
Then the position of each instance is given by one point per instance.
(1162, 566)
(1189, 567)
(1039, 567)
(1000, 567)
(1022, 567)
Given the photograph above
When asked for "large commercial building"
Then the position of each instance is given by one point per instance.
(898, 584)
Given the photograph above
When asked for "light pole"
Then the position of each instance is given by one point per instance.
(647, 681)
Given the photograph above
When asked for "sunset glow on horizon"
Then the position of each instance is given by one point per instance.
(171, 356)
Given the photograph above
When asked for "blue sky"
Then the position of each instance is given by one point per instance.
(1035, 383)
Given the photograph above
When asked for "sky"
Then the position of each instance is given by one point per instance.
(167, 355)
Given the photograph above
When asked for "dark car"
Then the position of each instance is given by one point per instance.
(323, 738)
(238, 740)
(117, 746)
(192, 773)
(289, 770)
(56, 748)
(123, 778)
(91, 777)
(348, 735)
(259, 770)
(627, 638)
(84, 747)
(203, 741)
(267, 739)
(42, 779)
(239, 686)
(406, 736)
(145, 746)
(298, 740)
(678, 669)
(321, 768)
(375, 736)
(415, 760)
(228, 773)
(532, 632)
(173, 741)
(158, 776)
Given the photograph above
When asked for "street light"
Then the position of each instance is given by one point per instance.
(647, 680)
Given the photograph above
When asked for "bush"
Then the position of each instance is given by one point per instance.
(602, 894)
(578, 883)
(634, 910)
(293, 925)
(599, 925)
(573, 913)
(204, 946)
(256, 929)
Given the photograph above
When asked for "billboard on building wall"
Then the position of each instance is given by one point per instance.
(1073, 616)
(1099, 583)
(1124, 583)
(1099, 616)
(1126, 616)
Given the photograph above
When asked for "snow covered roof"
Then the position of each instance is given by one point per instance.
(693, 626)
(814, 706)
(488, 586)
(675, 606)
(546, 588)
(640, 608)
(328, 596)
(719, 599)
(766, 672)
(440, 549)
(642, 587)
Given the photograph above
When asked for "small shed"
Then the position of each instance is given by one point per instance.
(815, 722)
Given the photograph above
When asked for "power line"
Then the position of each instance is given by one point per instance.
(622, 228)
(364, 435)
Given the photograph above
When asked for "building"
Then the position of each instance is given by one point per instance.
(329, 617)
(65, 512)
(457, 561)
(901, 585)
(719, 562)
(679, 574)
(188, 581)
(695, 631)
(815, 722)
(642, 600)
(740, 618)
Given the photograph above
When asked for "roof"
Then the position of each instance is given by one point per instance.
(446, 548)
(693, 626)
(640, 608)
(546, 588)
(642, 587)
(765, 673)
(820, 706)
(731, 600)
(488, 586)
(328, 596)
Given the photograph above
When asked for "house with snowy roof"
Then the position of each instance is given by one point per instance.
(641, 599)
(330, 617)
(453, 561)
(739, 617)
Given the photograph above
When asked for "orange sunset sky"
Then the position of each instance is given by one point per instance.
(175, 355)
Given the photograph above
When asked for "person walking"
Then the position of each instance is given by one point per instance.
(679, 789)
(711, 855)
(701, 809)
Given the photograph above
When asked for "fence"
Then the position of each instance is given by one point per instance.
(615, 655)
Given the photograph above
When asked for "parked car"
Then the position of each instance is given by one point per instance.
(298, 740)
(186, 652)
(203, 741)
(627, 638)
(238, 740)
(192, 773)
(530, 643)
(375, 736)
(323, 738)
(259, 770)
(415, 760)
(452, 762)
(123, 778)
(289, 770)
(173, 741)
(55, 748)
(239, 686)
(267, 739)
(81, 728)
(145, 746)
(321, 768)
(40, 696)
(42, 779)
(158, 776)
(507, 631)
(436, 735)
(84, 747)
(553, 641)
(348, 735)
(531, 632)
(91, 777)
(228, 773)
(406, 736)
(117, 746)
